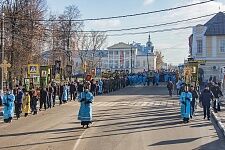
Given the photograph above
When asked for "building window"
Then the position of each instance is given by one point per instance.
(222, 45)
(116, 64)
(127, 64)
(111, 64)
(138, 64)
(144, 63)
(199, 46)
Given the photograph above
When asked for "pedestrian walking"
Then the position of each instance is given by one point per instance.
(50, 96)
(26, 103)
(60, 93)
(34, 100)
(85, 112)
(54, 94)
(8, 110)
(72, 91)
(80, 88)
(178, 86)
(194, 93)
(170, 88)
(217, 93)
(185, 100)
(205, 99)
(43, 98)
(93, 87)
(100, 90)
(18, 102)
(65, 94)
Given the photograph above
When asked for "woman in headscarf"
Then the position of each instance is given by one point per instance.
(85, 113)
(26, 103)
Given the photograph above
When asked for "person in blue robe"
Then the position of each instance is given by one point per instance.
(65, 94)
(100, 83)
(157, 78)
(166, 77)
(85, 112)
(144, 79)
(8, 110)
(185, 100)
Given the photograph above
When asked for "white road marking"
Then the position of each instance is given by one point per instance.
(79, 139)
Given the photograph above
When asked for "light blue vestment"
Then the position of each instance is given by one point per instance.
(85, 112)
(8, 102)
(185, 100)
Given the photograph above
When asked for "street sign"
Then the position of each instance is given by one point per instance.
(98, 72)
(33, 69)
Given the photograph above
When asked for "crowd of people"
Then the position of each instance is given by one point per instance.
(209, 96)
(21, 101)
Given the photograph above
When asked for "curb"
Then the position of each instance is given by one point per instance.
(218, 122)
(1, 111)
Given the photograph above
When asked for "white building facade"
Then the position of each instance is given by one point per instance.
(208, 43)
(121, 56)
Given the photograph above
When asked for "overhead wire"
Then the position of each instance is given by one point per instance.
(123, 16)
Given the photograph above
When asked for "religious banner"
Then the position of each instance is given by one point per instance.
(33, 69)
(44, 75)
(57, 67)
(69, 70)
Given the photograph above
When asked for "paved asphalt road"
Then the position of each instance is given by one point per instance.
(135, 118)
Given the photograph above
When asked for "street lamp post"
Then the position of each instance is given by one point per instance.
(148, 61)
(131, 58)
(2, 44)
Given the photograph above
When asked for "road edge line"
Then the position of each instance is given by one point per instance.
(218, 122)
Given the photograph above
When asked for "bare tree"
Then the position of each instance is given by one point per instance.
(62, 34)
(159, 60)
(23, 34)
(89, 46)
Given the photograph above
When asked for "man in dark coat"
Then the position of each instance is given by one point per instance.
(18, 101)
(54, 93)
(93, 87)
(170, 88)
(194, 97)
(50, 96)
(217, 93)
(205, 98)
(43, 98)
(72, 91)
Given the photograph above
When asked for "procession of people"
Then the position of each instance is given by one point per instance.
(208, 97)
(20, 100)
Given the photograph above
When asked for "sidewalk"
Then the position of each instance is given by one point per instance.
(219, 117)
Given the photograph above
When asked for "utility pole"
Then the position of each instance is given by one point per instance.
(148, 61)
(2, 45)
(131, 58)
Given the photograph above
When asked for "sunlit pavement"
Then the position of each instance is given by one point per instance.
(135, 118)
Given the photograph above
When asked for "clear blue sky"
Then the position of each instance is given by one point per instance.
(174, 45)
